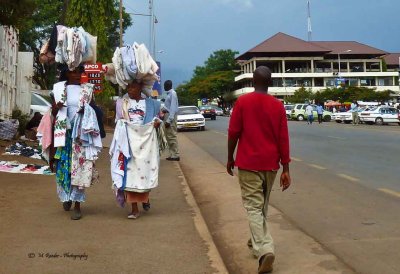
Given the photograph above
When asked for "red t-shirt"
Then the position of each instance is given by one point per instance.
(259, 121)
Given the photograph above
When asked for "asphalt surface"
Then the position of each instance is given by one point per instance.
(346, 188)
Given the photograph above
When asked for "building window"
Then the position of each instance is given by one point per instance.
(356, 67)
(298, 66)
(367, 82)
(319, 82)
(373, 66)
(386, 81)
(321, 67)
(274, 66)
(352, 82)
(330, 82)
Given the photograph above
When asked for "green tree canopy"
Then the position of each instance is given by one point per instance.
(37, 27)
(14, 12)
(342, 95)
(212, 80)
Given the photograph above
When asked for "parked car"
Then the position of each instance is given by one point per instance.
(380, 115)
(298, 113)
(288, 109)
(347, 117)
(189, 117)
(208, 112)
(218, 110)
(38, 104)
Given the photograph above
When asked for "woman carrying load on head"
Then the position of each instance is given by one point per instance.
(75, 138)
(135, 149)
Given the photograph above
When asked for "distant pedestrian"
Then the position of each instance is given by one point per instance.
(354, 112)
(320, 112)
(170, 111)
(310, 114)
(260, 126)
(334, 110)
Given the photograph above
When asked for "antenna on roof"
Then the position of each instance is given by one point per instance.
(309, 21)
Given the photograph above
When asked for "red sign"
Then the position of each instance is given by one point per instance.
(94, 76)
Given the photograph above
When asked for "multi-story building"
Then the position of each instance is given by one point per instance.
(317, 65)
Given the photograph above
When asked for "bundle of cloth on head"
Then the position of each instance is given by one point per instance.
(70, 46)
(131, 63)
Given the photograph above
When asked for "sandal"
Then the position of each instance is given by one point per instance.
(133, 216)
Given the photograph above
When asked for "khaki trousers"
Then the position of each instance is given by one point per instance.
(256, 187)
(170, 135)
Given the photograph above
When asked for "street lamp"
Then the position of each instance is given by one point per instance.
(346, 51)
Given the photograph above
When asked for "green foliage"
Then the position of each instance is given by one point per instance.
(186, 98)
(342, 95)
(15, 12)
(23, 120)
(104, 99)
(301, 95)
(94, 16)
(384, 64)
(37, 27)
(213, 80)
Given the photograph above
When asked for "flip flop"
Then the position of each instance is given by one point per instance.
(133, 216)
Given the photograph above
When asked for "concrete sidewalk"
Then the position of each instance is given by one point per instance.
(219, 199)
(37, 236)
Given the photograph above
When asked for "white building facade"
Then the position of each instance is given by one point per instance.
(317, 65)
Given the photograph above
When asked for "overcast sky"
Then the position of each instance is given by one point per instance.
(188, 31)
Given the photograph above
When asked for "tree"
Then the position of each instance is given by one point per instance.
(14, 12)
(215, 78)
(37, 28)
(301, 95)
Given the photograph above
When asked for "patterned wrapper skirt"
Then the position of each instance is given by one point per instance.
(65, 191)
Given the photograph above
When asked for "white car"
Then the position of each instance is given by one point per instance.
(39, 104)
(347, 117)
(380, 115)
(189, 117)
(288, 109)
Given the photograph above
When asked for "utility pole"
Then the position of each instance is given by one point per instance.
(120, 24)
(309, 21)
(120, 38)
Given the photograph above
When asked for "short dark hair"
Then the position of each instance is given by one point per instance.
(168, 85)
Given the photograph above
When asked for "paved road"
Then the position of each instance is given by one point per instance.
(346, 190)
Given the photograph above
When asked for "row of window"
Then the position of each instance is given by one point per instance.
(330, 82)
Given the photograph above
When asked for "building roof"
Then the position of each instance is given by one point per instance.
(341, 47)
(282, 44)
(392, 59)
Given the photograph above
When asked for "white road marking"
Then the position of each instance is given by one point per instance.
(391, 192)
(347, 177)
(296, 159)
(317, 166)
(334, 137)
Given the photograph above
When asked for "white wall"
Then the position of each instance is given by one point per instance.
(24, 81)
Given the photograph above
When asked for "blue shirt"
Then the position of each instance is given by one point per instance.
(320, 110)
(171, 104)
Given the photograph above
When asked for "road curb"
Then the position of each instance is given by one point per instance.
(215, 257)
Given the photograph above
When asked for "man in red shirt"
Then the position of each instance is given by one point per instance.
(259, 124)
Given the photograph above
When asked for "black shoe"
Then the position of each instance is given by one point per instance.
(76, 214)
(67, 205)
(173, 159)
(146, 206)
